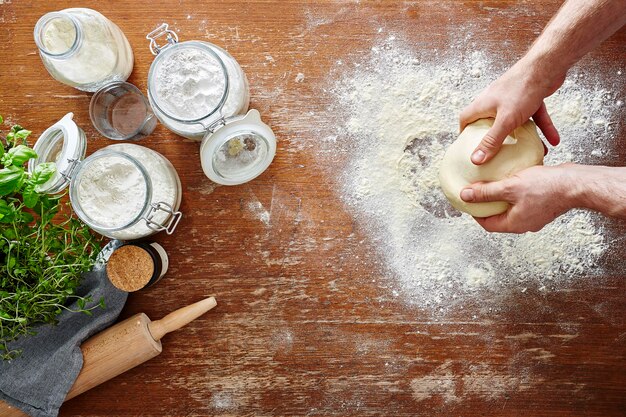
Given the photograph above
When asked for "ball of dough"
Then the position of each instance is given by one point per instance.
(521, 149)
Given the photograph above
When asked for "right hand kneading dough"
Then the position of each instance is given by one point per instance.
(521, 149)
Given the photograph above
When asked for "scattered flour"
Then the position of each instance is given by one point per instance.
(222, 401)
(396, 115)
(481, 380)
(257, 209)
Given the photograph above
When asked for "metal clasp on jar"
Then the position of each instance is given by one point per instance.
(211, 128)
(68, 173)
(159, 32)
(172, 222)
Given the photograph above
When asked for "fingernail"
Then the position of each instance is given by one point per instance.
(467, 194)
(478, 157)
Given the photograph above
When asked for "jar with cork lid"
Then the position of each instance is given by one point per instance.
(134, 266)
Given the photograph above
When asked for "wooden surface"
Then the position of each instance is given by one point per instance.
(296, 331)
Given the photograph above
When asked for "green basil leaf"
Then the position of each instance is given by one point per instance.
(21, 154)
(1, 119)
(30, 196)
(7, 212)
(11, 179)
(43, 172)
(22, 134)
(27, 217)
(17, 132)
(9, 233)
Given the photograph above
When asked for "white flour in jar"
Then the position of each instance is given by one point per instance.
(59, 36)
(112, 190)
(98, 54)
(190, 83)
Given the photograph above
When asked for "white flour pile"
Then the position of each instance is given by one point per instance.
(397, 113)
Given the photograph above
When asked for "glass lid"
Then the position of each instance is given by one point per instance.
(239, 150)
(65, 145)
(240, 153)
(188, 81)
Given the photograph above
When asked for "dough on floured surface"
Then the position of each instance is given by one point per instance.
(521, 149)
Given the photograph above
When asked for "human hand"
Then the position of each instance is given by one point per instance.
(511, 100)
(536, 195)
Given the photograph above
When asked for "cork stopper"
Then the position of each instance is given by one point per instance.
(130, 268)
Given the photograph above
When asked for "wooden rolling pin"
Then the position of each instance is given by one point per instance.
(122, 347)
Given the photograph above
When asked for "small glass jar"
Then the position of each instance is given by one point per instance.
(193, 84)
(123, 191)
(83, 49)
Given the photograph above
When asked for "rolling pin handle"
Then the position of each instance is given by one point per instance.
(177, 319)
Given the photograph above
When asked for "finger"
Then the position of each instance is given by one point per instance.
(491, 143)
(484, 192)
(545, 149)
(544, 123)
(478, 109)
(499, 223)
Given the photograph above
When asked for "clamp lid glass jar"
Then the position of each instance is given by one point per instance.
(238, 149)
(123, 191)
(83, 49)
(194, 83)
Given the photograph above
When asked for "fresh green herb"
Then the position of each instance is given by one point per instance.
(43, 250)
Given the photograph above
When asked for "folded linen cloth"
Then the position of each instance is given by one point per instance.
(39, 379)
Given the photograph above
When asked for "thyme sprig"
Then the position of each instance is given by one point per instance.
(43, 250)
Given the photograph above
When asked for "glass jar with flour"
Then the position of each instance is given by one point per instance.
(199, 91)
(83, 49)
(192, 84)
(123, 191)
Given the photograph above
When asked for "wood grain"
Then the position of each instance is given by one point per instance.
(300, 329)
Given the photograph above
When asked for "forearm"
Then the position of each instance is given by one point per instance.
(577, 28)
(598, 188)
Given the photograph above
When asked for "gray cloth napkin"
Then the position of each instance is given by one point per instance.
(38, 381)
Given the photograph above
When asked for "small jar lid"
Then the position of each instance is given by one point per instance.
(238, 149)
(63, 144)
(134, 266)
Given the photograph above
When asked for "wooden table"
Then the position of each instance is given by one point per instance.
(281, 343)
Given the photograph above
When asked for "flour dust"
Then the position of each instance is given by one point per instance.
(397, 112)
